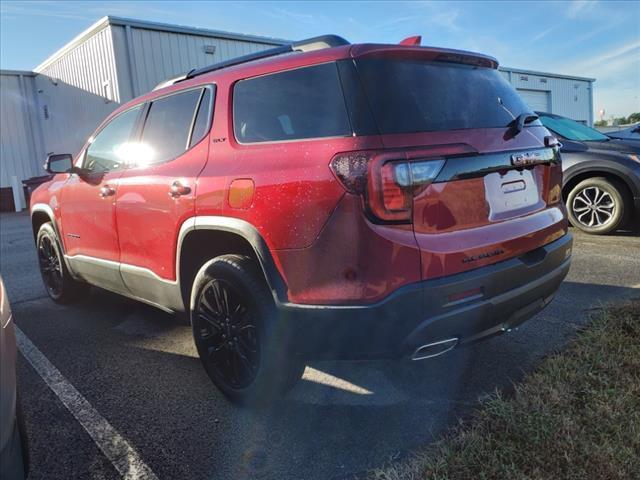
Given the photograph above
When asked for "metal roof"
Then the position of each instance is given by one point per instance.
(25, 73)
(545, 74)
(164, 27)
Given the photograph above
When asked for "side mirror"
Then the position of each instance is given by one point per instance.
(59, 163)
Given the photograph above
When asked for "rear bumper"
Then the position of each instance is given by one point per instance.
(504, 295)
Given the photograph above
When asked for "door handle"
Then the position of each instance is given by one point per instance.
(178, 188)
(107, 191)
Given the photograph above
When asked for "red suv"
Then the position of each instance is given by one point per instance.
(316, 200)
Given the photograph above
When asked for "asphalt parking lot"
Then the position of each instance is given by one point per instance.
(137, 367)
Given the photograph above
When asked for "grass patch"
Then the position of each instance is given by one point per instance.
(576, 417)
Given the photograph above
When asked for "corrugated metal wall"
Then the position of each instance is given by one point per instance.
(77, 91)
(80, 88)
(569, 97)
(157, 55)
(21, 149)
(57, 109)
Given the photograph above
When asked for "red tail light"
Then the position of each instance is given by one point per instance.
(394, 198)
(386, 181)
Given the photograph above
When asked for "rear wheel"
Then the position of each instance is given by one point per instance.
(235, 331)
(60, 286)
(597, 205)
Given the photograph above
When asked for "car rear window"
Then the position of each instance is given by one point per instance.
(416, 96)
(296, 104)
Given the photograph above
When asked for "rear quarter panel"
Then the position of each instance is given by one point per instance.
(295, 191)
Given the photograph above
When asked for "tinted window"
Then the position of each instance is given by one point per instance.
(572, 130)
(417, 96)
(107, 150)
(202, 118)
(166, 130)
(302, 103)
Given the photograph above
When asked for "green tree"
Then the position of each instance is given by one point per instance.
(634, 118)
(600, 123)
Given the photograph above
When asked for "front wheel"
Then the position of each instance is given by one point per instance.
(60, 286)
(235, 331)
(597, 205)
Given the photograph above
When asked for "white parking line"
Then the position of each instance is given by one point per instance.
(122, 455)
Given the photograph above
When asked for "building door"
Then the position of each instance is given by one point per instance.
(538, 100)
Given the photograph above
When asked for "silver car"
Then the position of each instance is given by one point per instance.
(13, 451)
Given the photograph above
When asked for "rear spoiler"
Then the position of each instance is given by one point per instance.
(410, 49)
(412, 41)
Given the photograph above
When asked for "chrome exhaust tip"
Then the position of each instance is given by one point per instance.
(434, 349)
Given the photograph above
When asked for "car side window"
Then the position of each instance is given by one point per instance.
(203, 118)
(302, 103)
(106, 151)
(165, 134)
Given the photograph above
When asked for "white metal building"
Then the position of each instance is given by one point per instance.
(21, 143)
(549, 92)
(58, 105)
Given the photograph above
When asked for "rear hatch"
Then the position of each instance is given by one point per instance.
(480, 177)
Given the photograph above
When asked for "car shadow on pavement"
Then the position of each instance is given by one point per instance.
(629, 231)
(137, 366)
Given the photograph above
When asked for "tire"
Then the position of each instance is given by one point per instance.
(59, 284)
(597, 205)
(234, 324)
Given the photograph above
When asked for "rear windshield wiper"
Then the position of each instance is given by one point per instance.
(521, 120)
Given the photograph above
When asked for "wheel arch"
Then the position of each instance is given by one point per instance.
(38, 219)
(204, 238)
(577, 176)
(42, 213)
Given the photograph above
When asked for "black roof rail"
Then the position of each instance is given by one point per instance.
(314, 43)
(271, 52)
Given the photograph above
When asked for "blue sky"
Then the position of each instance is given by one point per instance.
(598, 39)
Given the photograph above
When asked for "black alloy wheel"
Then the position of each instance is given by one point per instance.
(50, 266)
(60, 285)
(228, 334)
(244, 349)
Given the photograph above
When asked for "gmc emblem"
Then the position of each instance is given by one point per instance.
(524, 159)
